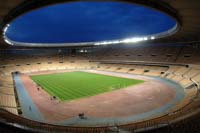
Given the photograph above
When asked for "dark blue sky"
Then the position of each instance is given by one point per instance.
(86, 22)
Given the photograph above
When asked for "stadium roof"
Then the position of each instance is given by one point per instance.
(88, 22)
(186, 12)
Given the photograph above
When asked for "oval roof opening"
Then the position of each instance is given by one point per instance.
(75, 23)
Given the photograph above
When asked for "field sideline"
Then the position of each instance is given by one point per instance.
(74, 85)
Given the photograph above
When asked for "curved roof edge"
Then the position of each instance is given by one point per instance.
(30, 5)
(108, 42)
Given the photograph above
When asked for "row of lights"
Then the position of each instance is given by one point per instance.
(83, 51)
(4, 34)
(128, 40)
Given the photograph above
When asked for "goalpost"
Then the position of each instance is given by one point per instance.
(117, 86)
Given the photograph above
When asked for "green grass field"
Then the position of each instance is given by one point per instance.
(74, 85)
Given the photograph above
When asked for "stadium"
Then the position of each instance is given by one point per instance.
(118, 66)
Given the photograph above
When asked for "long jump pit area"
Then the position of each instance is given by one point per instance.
(147, 100)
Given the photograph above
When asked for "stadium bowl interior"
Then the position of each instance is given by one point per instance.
(115, 66)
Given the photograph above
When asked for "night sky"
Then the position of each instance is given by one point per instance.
(87, 22)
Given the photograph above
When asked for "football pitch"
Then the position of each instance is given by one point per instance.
(73, 85)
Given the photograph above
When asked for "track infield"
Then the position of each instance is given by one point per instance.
(75, 85)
